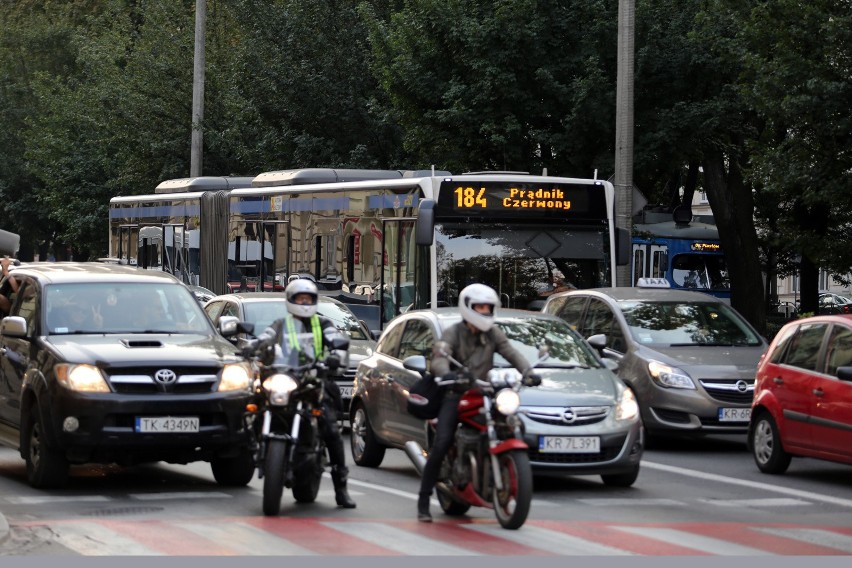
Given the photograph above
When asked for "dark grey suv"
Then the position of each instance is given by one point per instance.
(104, 363)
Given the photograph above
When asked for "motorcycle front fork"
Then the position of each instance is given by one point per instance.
(266, 434)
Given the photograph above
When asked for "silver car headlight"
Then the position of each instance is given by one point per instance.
(627, 407)
(507, 401)
(235, 377)
(278, 388)
(669, 377)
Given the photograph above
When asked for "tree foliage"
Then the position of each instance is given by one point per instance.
(95, 101)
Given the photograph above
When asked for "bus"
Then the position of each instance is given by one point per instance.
(382, 241)
(686, 252)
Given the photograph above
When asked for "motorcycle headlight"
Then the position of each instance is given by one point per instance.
(279, 388)
(507, 401)
(81, 378)
(669, 377)
(627, 408)
(235, 376)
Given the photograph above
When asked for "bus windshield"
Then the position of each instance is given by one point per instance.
(524, 263)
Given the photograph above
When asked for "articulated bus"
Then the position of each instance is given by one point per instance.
(381, 241)
(687, 254)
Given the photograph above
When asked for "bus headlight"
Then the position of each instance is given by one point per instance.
(278, 387)
(507, 401)
(235, 376)
(81, 378)
(669, 377)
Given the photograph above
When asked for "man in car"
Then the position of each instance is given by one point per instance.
(301, 298)
(472, 342)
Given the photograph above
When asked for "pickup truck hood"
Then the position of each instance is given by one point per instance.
(144, 349)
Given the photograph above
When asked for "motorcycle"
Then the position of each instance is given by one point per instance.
(288, 450)
(487, 464)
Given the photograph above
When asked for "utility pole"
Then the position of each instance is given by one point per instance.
(624, 127)
(197, 148)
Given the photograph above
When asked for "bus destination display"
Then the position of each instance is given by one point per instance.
(521, 199)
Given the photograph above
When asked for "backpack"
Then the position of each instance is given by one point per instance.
(424, 398)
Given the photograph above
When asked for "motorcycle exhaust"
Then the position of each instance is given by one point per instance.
(417, 455)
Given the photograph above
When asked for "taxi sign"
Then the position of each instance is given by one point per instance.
(653, 283)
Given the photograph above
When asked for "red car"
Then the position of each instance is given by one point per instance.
(803, 395)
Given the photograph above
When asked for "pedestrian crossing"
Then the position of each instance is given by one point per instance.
(446, 537)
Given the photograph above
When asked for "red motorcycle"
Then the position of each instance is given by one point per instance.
(487, 465)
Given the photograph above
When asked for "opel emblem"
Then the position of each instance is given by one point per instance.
(568, 415)
(165, 376)
(742, 386)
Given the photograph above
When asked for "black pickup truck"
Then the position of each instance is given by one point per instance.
(104, 363)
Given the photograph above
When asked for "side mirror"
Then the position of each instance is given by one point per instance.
(597, 342)
(13, 326)
(610, 364)
(844, 373)
(424, 228)
(339, 342)
(231, 325)
(416, 363)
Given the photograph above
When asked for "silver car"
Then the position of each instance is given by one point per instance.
(263, 308)
(689, 357)
(582, 420)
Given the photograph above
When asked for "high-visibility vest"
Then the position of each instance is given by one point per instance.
(316, 330)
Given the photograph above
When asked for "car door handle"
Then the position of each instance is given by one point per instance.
(778, 381)
(818, 392)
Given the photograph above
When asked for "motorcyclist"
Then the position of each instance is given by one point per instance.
(472, 342)
(301, 297)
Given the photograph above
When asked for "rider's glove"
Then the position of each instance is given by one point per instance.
(451, 376)
(532, 380)
(249, 348)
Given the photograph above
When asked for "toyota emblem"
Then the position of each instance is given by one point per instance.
(165, 376)
(568, 415)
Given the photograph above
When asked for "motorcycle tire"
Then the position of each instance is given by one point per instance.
(306, 482)
(450, 505)
(512, 503)
(273, 477)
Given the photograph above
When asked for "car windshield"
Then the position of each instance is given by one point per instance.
(686, 323)
(566, 349)
(123, 308)
(263, 312)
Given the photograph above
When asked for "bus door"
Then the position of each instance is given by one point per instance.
(649, 261)
(174, 252)
(128, 241)
(398, 267)
(259, 258)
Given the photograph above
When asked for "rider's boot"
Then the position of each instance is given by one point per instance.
(423, 514)
(339, 476)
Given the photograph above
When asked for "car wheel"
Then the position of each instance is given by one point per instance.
(47, 467)
(233, 472)
(621, 479)
(366, 449)
(769, 454)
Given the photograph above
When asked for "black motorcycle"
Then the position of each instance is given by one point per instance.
(289, 391)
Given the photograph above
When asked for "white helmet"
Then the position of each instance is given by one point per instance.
(478, 294)
(301, 286)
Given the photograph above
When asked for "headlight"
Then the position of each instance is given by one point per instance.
(279, 388)
(235, 376)
(81, 378)
(507, 401)
(670, 377)
(627, 408)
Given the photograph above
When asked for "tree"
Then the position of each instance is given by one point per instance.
(508, 85)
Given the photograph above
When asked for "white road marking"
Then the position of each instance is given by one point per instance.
(549, 540)
(750, 503)
(399, 540)
(819, 537)
(93, 539)
(695, 541)
(246, 539)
